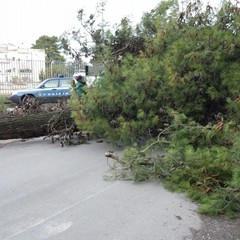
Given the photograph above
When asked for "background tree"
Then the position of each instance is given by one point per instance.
(52, 46)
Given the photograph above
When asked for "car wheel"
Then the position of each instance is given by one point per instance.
(28, 100)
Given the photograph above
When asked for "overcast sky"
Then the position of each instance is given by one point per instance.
(22, 22)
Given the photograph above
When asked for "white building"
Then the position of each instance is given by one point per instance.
(20, 65)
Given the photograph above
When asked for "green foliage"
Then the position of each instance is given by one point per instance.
(122, 109)
(221, 201)
(195, 78)
(181, 87)
(3, 107)
(201, 161)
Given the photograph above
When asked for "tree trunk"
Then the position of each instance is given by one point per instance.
(26, 125)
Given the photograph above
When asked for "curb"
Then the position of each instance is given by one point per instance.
(8, 141)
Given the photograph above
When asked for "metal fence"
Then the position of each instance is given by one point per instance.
(21, 74)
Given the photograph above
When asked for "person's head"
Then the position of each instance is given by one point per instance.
(78, 77)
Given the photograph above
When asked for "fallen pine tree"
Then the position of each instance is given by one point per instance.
(24, 126)
(34, 121)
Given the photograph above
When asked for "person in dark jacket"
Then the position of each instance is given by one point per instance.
(79, 84)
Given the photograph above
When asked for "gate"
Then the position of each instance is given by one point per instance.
(22, 74)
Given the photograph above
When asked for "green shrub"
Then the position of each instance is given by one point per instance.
(3, 107)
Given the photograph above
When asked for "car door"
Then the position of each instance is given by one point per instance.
(64, 88)
(49, 91)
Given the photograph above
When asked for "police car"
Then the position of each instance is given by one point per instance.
(50, 90)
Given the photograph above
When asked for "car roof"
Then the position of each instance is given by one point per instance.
(54, 78)
(64, 78)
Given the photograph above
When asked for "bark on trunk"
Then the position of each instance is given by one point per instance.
(26, 125)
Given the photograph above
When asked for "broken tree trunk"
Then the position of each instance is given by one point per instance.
(27, 125)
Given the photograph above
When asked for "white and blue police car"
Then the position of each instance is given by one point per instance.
(51, 90)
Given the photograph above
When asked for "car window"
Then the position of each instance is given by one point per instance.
(51, 84)
(65, 82)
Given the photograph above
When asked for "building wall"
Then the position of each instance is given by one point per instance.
(20, 65)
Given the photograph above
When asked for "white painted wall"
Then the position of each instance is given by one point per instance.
(23, 64)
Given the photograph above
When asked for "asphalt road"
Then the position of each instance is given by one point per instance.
(49, 192)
